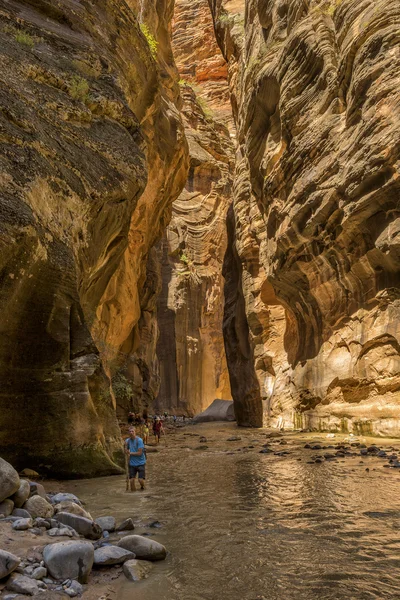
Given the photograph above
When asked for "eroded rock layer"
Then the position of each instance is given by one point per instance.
(92, 155)
(193, 369)
(316, 310)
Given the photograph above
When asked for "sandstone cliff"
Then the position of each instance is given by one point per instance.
(93, 153)
(193, 370)
(313, 271)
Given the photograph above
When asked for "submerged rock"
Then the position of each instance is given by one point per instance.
(135, 570)
(106, 523)
(143, 547)
(111, 555)
(126, 525)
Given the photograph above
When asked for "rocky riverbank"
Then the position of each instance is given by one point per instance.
(52, 546)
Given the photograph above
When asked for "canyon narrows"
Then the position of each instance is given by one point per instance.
(224, 227)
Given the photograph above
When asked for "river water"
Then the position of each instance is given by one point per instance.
(243, 525)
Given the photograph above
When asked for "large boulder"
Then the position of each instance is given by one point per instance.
(86, 527)
(111, 555)
(8, 563)
(135, 570)
(22, 494)
(219, 410)
(6, 507)
(9, 480)
(106, 523)
(143, 547)
(38, 507)
(69, 560)
(73, 508)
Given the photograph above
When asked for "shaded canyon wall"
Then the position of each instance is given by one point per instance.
(313, 270)
(93, 153)
(193, 370)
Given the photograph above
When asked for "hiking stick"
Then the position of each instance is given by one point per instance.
(127, 471)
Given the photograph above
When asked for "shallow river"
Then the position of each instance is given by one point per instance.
(243, 525)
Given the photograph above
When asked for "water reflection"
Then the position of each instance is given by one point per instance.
(254, 526)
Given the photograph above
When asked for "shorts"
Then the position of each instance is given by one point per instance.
(141, 469)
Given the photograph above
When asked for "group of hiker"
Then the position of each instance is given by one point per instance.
(143, 424)
(139, 427)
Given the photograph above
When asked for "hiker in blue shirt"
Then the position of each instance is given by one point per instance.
(134, 447)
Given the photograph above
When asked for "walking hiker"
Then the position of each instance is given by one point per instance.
(146, 432)
(134, 448)
(157, 429)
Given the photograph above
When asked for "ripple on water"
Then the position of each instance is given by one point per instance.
(254, 526)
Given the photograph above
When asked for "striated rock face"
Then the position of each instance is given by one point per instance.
(199, 59)
(313, 276)
(93, 153)
(193, 369)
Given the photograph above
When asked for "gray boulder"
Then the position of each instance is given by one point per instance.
(111, 555)
(64, 497)
(62, 532)
(74, 589)
(22, 524)
(36, 489)
(22, 585)
(6, 507)
(126, 525)
(40, 522)
(72, 508)
(39, 573)
(135, 570)
(38, 507)
(106, 523)
(8, 563)
(20, 513)
(69, 560)
(143, 547)
(9, 480)
(89, 529)
(22, 494)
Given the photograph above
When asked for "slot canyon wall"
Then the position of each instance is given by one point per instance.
(193, 370)
(312, 316)
(93, 153)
